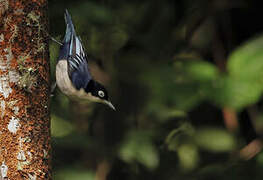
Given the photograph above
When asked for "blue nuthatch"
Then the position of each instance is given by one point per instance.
(72, 74)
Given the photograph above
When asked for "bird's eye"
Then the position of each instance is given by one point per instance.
(101, 93)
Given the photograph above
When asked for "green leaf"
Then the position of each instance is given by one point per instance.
(164, 113)
(246, 62)
(215, 140)
(179, 136)
(193, 82)
(201, 70)
(138, 147)
(236, 93)
(183, 86)
(188, 156)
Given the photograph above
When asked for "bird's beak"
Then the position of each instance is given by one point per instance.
(110, 105)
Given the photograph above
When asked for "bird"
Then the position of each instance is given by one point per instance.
(72, 71)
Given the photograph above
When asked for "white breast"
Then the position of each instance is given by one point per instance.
(66, 86)
(62, 78)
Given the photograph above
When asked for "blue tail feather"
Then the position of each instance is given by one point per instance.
(70, 32)
(70, 27)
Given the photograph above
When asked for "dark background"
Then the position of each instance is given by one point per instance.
(186, 78)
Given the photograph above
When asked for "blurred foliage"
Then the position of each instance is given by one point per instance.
(171, 67)
(138, 147)
(69, 174)
(216, 140)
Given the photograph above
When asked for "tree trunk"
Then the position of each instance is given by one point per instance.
(24, 90)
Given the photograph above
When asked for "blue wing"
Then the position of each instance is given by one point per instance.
(73, 51)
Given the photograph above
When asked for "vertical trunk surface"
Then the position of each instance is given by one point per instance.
(24, 90)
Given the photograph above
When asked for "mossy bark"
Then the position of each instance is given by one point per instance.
(24, 90)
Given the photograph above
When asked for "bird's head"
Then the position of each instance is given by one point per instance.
(98, 93)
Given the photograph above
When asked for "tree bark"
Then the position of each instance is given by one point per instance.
(24, 90)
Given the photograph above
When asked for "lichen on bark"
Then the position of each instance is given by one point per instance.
(24, 90)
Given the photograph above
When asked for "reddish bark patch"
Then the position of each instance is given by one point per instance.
(24, 29)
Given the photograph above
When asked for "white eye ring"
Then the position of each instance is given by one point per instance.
(101, 93)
